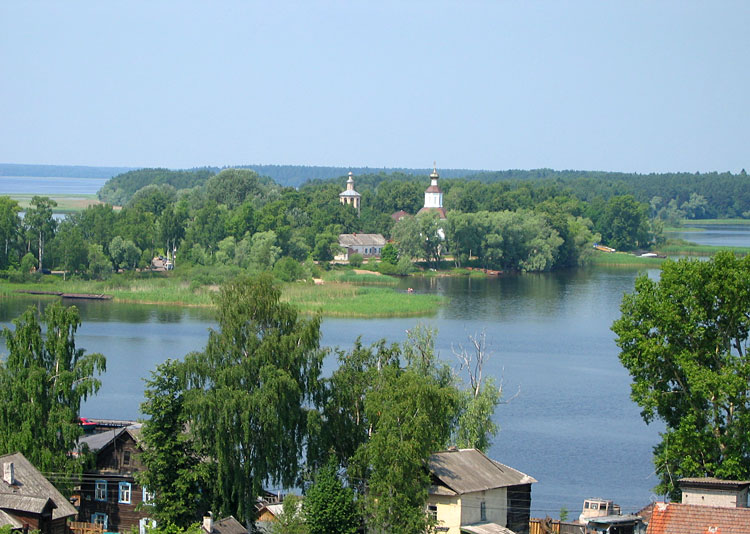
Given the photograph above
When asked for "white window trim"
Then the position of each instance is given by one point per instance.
(147, 497)
(122, 494)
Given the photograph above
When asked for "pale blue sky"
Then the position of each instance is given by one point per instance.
(631, 86)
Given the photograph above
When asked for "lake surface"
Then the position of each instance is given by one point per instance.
(725, 235)
(49, 186)
(568, 422)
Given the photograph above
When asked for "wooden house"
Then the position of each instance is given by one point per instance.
(29, 501)
(110, 495)
(470, 493)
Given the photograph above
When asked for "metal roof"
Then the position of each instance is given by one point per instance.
(469, 470)
(713, 482)
(361, 240)
(32, 490)
(349, 193)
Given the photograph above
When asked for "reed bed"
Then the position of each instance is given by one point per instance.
(700, 250)
(351, 277)
(622, 258)
(348, 300)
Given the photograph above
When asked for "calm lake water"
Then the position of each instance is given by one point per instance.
(46, 185)
(568, 421)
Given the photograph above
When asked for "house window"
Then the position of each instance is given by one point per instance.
(99, 519)
(124, 493)
(432, 511)
(126, 458)
(482, 511)
(148, 496)
(100, 490)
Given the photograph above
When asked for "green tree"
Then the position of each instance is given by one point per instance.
(250, 392)
(125, 254)
(406, 234)
(10, 231)
(330, 506)
(389, 254)
(175, 472)
(263, 252)
(68, 248)
(99, 264)
(355, 260)
(291, 520)
(683, 340)
(624, 224)
(43, 379)
(40, 226)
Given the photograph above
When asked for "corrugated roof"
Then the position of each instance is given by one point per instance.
(33, 487)
(486, 528)
(677, 518)
(361, 240)
(469, 470)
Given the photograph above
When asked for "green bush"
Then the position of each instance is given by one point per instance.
(355, 260)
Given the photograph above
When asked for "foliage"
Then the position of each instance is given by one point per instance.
(624, 224)
(253, 386)
(43, 380)
(10, 232)
(122, 187)
(389, 254)
(291, 520)
(683, 340)
(329, 506)
(355, 260)
(171, 528)
(40, 225)
(175, 472)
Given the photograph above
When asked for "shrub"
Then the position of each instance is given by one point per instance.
(355, 260)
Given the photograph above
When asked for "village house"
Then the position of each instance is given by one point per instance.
(110, 494)
(470, 493)
(228, 525)
(29, 501)
(709, 506)
(369, 245)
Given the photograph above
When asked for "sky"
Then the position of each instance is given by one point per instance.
(634, 86)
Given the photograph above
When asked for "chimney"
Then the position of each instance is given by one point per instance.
(8, 473)
(208, 522)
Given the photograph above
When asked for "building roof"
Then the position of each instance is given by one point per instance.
(677, 518)
(469, 470)
(433, 189)
(615, 519)
(361, 240)
(439, 211)
(486, 528)
(228, 525)
(6, 519)
(32, 492)
(97, 442)
(400, 214)
(711, 482)
(349, 193)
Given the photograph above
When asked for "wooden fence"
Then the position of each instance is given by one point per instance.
(554, 526)
(77, 527)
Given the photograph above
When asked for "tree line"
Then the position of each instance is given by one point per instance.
(242, 221)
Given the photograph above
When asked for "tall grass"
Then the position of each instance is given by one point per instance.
(622, 258)
(348, 300)
(360, 278)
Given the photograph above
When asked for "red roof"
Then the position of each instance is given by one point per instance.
(677, 518)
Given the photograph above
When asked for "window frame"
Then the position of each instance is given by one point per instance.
(128, 492)
(100, 515)
(100, 490)
(147, 497)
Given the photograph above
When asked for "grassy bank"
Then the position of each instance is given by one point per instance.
(332, 299)
(348, 300)
(715, 221)
(623, 259)
(689, 249)
(65, 203)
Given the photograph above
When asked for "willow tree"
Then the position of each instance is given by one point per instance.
(684, 341)
(43, 380)
(250, 391)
